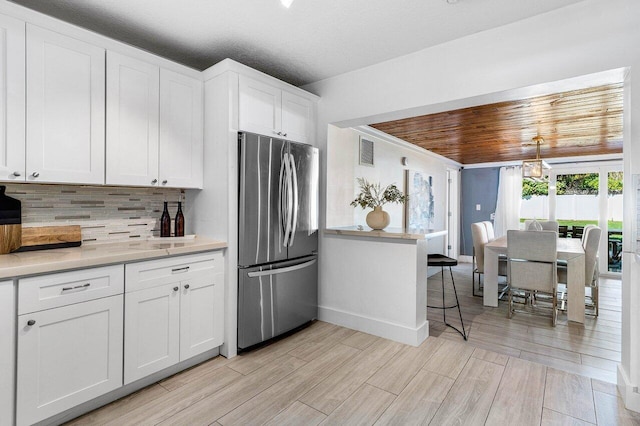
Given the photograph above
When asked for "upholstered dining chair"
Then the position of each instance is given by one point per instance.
(545, 225)
(491, 234)
(531, 257)
(480, 238)
(550, 225)
(591, 242)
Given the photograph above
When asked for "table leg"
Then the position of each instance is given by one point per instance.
(491, 277)
(575, 289)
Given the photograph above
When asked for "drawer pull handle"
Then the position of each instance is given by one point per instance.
(176, 288)
(76, 287)
(31, 322)
(180, 270)
(186, 286)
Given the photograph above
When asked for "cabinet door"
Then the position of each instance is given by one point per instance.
(296, 117)
(260, 107)
(201, 314)
(65, 109)
(68, 356)
(7, 351)
(181, 130)
(133, 91)
(151, 335)
(12, 99)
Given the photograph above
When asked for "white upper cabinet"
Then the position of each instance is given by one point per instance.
(297, 116)
(65, 109)
(271, 111)
(133, 96)
(12, 99)
(181, 130)
(260, 107)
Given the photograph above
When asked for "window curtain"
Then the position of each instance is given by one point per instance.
(509, 199)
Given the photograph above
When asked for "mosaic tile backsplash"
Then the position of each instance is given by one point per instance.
(105, 214)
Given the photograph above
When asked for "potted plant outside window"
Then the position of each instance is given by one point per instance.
(373, 196)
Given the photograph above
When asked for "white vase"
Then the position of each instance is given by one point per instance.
(378, 219)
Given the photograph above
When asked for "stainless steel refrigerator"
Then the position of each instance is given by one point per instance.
(277, 237)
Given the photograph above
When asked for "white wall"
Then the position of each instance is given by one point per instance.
(588, 37)
(343, 168)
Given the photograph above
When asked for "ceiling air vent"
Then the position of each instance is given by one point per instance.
(366, 152)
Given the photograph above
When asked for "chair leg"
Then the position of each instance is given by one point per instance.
(455, 292)
(444, 307)
(554, 317)
(594, 296)
(510, 304)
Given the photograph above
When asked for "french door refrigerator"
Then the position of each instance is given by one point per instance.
(277, 237)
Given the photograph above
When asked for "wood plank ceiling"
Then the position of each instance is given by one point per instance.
(575, 123)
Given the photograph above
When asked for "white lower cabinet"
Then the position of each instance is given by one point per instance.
(71, 353)
(174, 310)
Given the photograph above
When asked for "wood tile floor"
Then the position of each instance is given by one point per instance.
(518, 372)
(592, 349)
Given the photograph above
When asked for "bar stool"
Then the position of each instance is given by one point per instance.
(442, 261)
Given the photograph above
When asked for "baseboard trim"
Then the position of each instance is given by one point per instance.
(380, 328)
(465, 259)
(628, 391)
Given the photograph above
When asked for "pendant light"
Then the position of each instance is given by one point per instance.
(534, 169)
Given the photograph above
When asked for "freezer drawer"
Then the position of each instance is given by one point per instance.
(277, 298)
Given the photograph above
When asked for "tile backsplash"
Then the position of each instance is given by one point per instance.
(105, 214)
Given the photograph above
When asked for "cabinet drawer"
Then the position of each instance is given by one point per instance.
(66, 288)
(154, 273)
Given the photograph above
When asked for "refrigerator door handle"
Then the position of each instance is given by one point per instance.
(289, 200)
(283, 210)
(281, 270)
(295, 198)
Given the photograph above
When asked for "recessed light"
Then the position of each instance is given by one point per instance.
(287, 3)
(452, 1)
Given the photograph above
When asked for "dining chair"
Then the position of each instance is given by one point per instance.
(491, 234)
(590, 244)
(480, 239)
(532, 225)
(550, 225)
(531, 257)
(584, 232)
(541, 225)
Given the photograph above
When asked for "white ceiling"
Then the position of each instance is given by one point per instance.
(311, 41)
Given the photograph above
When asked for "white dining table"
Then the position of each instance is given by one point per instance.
(569, 249)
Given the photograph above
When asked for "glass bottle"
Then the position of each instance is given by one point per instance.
(179, 227)
(165, 222)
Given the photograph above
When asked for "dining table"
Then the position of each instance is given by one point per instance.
(568, 249)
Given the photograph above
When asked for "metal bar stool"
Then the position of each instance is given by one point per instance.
(442, 261)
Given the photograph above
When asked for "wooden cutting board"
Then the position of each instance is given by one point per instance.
(47, 237)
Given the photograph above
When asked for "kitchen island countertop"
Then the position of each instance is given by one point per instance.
(398, 233)
(14, 265)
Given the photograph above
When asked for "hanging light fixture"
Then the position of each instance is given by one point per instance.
(534, 169)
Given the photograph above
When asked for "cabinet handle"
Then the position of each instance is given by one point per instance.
(35, 174)
(164, 182)
(186, 286)
(153, 182)
(176, 288)
(31, 322)
(180, 270)
(16, 174)
(76, 287)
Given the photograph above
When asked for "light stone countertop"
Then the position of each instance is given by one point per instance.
(14, 265)
(398, 233)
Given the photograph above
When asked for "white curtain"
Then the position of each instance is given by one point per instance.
(509, 199)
